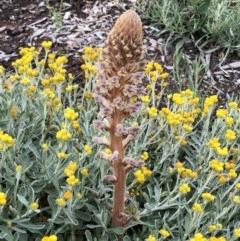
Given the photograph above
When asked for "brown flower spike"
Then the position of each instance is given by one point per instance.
(120, 73)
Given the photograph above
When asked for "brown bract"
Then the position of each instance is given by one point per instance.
(124, 44)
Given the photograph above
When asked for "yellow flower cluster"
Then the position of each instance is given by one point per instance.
(91, 54)
(60, 202)
(230, 135)
(88, 149)
(47, 44)
(70, 114)
(208, 196)
(1, 69)
(151, 238)
(84, 171)
(3, 199)
(216, 165)
(141, 174)
(184, 188)
(69, 171)
(237, 232)
(18, 168)
(197, 207)
(152, 112)
(164, 233)
(23, 65)
(215, 145)
(198, 237)
(63, 135)
(67, 195)
(185, 172)
(209, 103)
(144, 156)
(183, 114)
(34, 205)
(6, 141)
(155, 71)
(49, 238)
(146, 99)
(214, 227)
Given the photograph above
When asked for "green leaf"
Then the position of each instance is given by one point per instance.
(6, 234)
(70, 216)
(23, 200)
(117, 230)
(88, 235)
(83, 215)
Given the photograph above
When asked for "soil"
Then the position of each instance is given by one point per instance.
(16, 16)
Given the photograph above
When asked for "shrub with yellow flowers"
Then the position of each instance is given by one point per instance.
(59, 145)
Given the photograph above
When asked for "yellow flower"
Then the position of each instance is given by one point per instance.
(69, 88)
(25, 81)
(84, 171)
(3, 199)
(45, 147)
(62, 155)
(152, 111)
(60, 202)
(164, 233)
(145, 99)
(70, 114)
(237, 232)
(47, 44)
(151, 238)
(178, 99)
(144, 156)
(184, 188)
(230, 135)
(198, 237)
(208, 196)
(236, 199)
(18, 168)
(212, 228)
(67, 195)
(13, 111)
(49, 238)
(232, 173)
(1, 69)
(63, 135)
(233, 105)
(34, 206)
(222, 178)
(88, 149)
(197, 207)
(222, 113)
(72, 180)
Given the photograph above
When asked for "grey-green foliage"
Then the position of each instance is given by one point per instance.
(218, 20)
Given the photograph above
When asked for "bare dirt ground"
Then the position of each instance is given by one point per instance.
(28, 22)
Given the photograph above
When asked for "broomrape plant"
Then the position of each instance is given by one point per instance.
(121, 169)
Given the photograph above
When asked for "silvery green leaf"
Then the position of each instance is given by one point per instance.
(88, 235)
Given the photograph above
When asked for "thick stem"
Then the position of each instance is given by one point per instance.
(120, 174)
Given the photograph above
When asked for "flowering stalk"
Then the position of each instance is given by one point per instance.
(120, 72)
